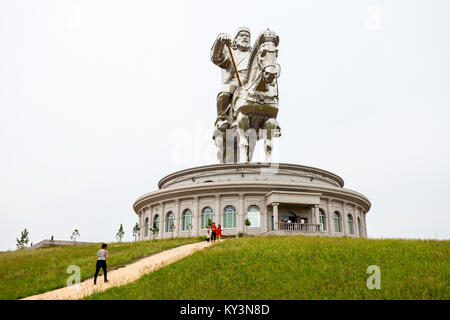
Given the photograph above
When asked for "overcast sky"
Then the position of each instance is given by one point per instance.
(101, 99)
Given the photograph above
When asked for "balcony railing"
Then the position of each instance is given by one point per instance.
(300, 227)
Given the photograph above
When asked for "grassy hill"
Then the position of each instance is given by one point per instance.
(299, 268)
(28, 272)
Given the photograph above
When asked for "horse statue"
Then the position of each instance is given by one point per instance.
(254, 106)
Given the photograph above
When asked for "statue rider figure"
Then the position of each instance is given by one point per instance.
(220, 56)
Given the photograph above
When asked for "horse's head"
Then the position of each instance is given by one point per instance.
(267, 61)
(265, 55)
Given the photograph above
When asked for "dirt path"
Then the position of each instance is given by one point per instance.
(123, 275)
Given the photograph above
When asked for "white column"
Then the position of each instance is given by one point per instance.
(162, 227)
(330, 217)
(218, 212)
(196, 213)
(177, 221)
(264, 215)
(316, 214)
(344, 219)
(275, 215)
(363, 220)
(241, 214)
(140, 224)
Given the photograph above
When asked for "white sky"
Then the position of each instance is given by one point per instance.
(99, 98)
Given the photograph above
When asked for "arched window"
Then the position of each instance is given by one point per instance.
(350, 224)
(229, 217)
(187, 219)
(156, 224)
(207, 214)
(337, 221)
(322, 220)
(169, 222)
(254, 215)
(146, 226)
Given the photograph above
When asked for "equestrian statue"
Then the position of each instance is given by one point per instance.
(247, 105)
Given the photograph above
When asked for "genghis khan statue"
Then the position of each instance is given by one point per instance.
(220, 56)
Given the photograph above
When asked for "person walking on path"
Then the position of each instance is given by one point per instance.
(213, 232)
(207, 235)
(102, 255)
(219, 231)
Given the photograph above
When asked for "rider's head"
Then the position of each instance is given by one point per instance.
(242, 38)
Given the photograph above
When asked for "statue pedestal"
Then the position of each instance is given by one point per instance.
(277, 198)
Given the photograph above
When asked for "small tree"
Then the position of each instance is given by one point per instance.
(23, 241)
(209, 224)
(154, 229)
(120, 234)
(173, 229)
(247, 224)
(136, 230)
(75, 235)
(52, 242)
(189, 226)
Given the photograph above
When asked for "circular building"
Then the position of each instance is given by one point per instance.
(277, 199)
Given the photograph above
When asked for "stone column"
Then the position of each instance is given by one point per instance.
(177, 222)
(275, 215)
(344, 219)
(363, 220)
(316, 214)
(162, 218)
(241, 214)
(196, 217)
(330, 217)
(357, 216)
(140, 224)
(264, 215)
(218, 212)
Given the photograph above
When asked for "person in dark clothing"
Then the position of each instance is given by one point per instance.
(213, 232)
(102, 255)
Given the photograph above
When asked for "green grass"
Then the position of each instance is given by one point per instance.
(29, 272)
(299, 268)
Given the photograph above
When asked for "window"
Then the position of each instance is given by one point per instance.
(322, 220)
(254, 215)
(337, 221)
(169, 222)
(187, 219)
(207, 214)
(229, 217)
(350, 224)
(146, 226)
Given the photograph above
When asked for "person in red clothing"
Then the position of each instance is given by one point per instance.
(213, 232)
(219, 231)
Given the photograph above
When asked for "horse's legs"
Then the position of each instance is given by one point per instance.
(252, 137)
(219, 139)
(242, 122)
(270, 125)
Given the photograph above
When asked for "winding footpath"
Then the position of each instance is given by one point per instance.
(122, 276)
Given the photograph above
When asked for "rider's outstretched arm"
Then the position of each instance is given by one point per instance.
(219, 53)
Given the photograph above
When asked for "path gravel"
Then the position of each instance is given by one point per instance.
(122, 276)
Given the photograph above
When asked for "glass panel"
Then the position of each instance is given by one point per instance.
(322, 220)
(337, 222)
(207, 213)
(254, 215)
(187, 220)
(169, 223)
(229, 217)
